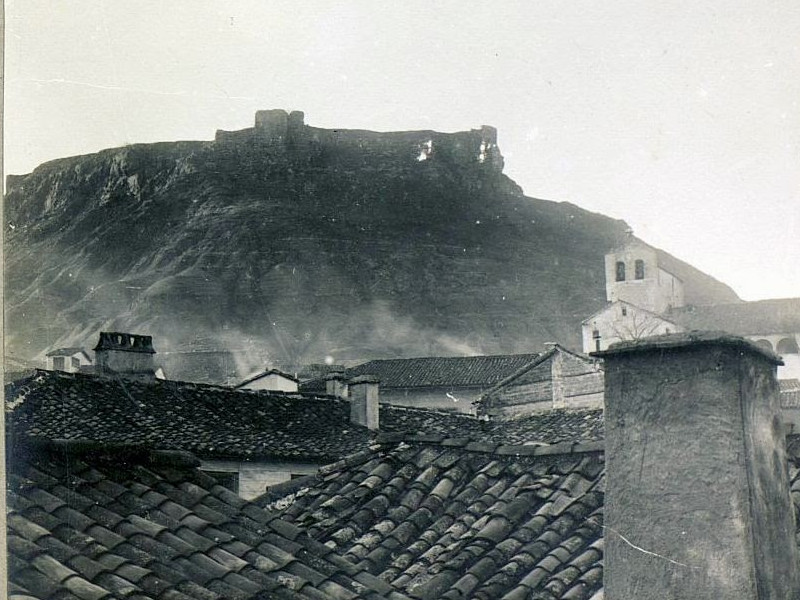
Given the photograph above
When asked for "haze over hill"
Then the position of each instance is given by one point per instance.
(289, 243)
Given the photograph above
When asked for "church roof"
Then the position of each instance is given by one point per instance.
(779, 316)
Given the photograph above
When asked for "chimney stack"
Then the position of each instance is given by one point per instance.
(697, 501)
(335, 384)
(364, 401)
(125, 354)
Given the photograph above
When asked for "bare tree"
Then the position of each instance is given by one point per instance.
(636, 326)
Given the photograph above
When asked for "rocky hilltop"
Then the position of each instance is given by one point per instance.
(289, 243)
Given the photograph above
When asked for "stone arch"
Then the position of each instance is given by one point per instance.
(787, 346)
(765, 344)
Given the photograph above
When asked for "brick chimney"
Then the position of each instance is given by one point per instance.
(364, 401)
(125, 354)
(336, 384)
(697, 501)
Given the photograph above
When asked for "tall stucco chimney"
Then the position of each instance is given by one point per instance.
(697, 500)
(125, 354)
(336, 384)
(364, 401)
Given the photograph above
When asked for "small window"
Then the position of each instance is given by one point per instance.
(76, 363)
(639, 268)
(596, 337)
(59, 363)
(620, 271)
(227, 479)
(624, 311)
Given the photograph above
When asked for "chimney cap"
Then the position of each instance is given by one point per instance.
(334, 376)
(125, 342)
(364, 379)
(686, 340)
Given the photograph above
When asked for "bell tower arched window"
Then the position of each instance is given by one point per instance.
(620, 271)
(639, 269)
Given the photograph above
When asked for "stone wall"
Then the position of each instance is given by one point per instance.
(531, 392)
(563, 380)
(577, 382)
(279, 130)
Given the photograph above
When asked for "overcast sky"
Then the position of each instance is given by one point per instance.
(680, 117)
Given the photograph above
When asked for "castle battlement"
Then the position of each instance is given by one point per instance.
(278, 128)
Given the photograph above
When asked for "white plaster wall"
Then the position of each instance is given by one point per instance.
(256, 476)
(790, 368)
(670, 291)
(656, 292)
(68, 368)
(614, 326)
(273, 383)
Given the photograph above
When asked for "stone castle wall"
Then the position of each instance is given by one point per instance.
(278, 129)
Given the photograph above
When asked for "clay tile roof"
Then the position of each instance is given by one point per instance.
(458, 371)
(457, 519)
(789, 385)
(213, 421)
(551, 427)
(790, 393)
(206, 419)
(133, 543)
(443, 521)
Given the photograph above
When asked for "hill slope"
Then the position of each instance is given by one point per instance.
(289, 243)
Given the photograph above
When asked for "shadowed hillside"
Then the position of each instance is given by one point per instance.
(289, 243)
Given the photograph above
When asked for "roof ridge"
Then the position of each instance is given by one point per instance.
(77, 448)
(435, 411)
(264, 373)
(540, 359)
(545, 413)
(349, 460)
(373, 360)
(480, 445)
(191, 384)
(689, 307)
